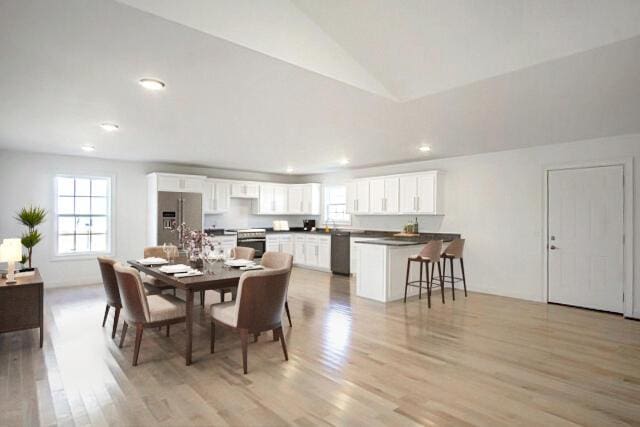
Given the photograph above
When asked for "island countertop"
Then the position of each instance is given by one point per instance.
(423, 239)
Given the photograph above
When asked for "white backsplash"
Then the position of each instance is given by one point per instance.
(240, 215)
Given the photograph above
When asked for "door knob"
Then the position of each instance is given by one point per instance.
(553, 247)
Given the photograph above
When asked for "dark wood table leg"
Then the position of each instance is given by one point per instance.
(189, 325)
(41, 315)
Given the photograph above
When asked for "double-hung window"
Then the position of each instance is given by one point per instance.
(83, 215)
(335, 205)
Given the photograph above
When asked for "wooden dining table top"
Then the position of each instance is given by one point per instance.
(216, 275)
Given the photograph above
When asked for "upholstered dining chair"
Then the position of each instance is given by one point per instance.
(454, 251)
(144, 311)
(429, 256)
(257, 308)
(278, 260)
(153, 285)
(239, 252)
(111, 290)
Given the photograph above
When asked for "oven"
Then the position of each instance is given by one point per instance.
(255, 238)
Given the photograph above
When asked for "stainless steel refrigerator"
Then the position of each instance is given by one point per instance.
(181, 208)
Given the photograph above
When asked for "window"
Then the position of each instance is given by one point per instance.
(83, 215)
(335, 205)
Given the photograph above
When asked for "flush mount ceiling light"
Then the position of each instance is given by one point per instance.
(88, 148)
(424, 148)
(289, 169)
(152, 84)
(109, 127)
(344, 162)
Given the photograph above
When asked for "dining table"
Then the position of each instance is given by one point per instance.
(216, 275)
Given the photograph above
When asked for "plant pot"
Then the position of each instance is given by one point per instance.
(23, 270)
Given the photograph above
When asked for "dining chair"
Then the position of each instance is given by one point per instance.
(279, 260)
(454, 251)
(111, 290)
(257, 308)
(239, 252)
(428, 256)
(153, 285)
(144, 311)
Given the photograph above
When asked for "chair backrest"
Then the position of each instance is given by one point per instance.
(109, 280)
(432, 251)
(455, 248)
(134, 300)
(242, 252)
(158, 252)
(277, 260)
(260, 300)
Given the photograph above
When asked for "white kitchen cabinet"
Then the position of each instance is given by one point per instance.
(296, 199)
(311, 199)
(225, 242)
(180, 183)
(358, 197)
(383, 195)
(422, 193)
(324, 252)
(353, 252)
(272, 200)
(280, 195)
(245, 190)
(280, 243)
(313, 251)
(216, 196)
(273, 243)
(299, 256)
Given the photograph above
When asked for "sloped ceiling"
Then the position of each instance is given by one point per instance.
(69, 65)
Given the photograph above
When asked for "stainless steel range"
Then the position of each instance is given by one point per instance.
(255, 238)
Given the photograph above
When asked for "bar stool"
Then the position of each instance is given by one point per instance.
(454, 251)
(429, 255)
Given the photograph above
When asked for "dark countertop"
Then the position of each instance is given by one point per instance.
(423, 239)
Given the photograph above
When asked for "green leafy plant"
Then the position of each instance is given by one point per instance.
(31, 217)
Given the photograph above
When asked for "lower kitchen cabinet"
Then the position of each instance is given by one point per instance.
(312, 251)
(280, 243)
(226, 242)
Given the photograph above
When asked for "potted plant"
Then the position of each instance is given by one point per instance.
(31, 217)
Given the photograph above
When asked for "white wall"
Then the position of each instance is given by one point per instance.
(28, 179)
(495, 201)
(240, 215)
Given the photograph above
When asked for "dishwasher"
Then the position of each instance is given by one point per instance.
(340, 252)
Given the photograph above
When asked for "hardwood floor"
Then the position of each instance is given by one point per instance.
(484, 360)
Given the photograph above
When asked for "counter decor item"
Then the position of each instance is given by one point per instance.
(11, 252)
(31, 217)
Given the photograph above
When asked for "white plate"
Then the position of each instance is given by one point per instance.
(238, 262)
(153, 261)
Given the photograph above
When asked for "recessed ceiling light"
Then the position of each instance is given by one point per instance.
(88, 148)
(344, 162)
(424, 148)
(109, 127)
(152, 84)
(289, 169)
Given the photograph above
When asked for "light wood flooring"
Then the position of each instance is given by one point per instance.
(484, 360)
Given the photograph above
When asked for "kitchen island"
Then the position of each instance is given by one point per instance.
(382, 266)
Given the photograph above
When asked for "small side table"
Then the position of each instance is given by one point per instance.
(21, 304)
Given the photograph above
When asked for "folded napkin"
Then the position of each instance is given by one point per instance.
(152, 261)
(175, 268)
(238, 262)
(252, 267)
(189, 273)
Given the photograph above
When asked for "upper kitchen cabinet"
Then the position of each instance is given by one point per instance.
(245, 190)
(216, 196)
(179, 183)
(383, 194)
(304, 199)
(422, 193)
(272, 199)
(358, 197)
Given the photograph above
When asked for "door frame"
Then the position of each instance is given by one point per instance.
(627, 223)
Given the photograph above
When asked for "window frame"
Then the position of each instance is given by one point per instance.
(110, 235)
(326, 204)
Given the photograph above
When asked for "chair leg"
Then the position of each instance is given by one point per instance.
(244, 338)
(255, 337)
(453, 280)
(213, 335)
(286, 308)
(106, 313)
(429, 285)
(115, 322)
(420, 280)
(174, 292)
(136, 349)
(441, 282)
(168, 326)
(123, 333)
(284, 344)
(464, 279)
(406, 284)
(275, 335)
(202, 298)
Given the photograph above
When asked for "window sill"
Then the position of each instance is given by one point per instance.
(80, 257)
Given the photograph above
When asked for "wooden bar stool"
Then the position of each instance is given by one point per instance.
(454, 251)
(429, 255)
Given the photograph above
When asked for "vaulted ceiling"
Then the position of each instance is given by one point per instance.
(301, 83)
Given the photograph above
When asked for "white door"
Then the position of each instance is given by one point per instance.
(425, 202)
(362, 190)
(279, 199)
(298, 250)
(286, 244)
(585, 232)
(352, 196)
(408, 191)
(376, 193)
(273, 243)
(311, 250)
(296, 203)
(222, 190)
(267, 201)
(324, 252)
(391, 194)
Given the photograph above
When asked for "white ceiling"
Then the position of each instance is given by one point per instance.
(233, 103)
